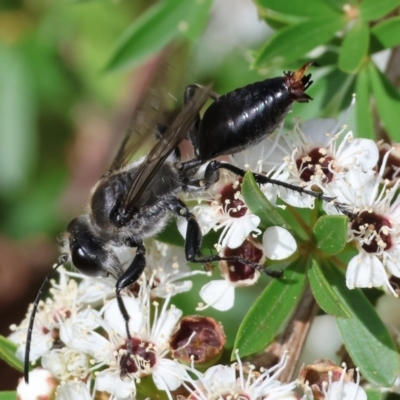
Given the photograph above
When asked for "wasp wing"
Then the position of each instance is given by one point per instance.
(140, 137)
(170, 139)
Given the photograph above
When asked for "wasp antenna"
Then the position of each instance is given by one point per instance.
(32, 320)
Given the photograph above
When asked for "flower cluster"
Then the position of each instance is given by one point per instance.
(97, 351)
(87, 345)
(321, 155)
(84, 350)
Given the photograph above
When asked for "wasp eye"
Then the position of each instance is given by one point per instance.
(85, 264)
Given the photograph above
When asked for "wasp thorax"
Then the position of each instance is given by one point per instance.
(315, 166)
(374, 230)
(138, 356)
(231, 201)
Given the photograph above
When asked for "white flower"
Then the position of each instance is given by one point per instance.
(376, 229)
(278, 244)
(42, 385)
(223, 208)
(66, 363)
(312, 155)
(220, 293)
(129, 358)
(220, 382)
(73, 390)
(63, 305)
(166, 269)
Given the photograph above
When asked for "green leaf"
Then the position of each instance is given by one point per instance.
(308, 9)
(197, 18)
(17, 121)
(157, 27)
(373, 394)
(330, 233)
(274, 306)
(354, 48)
(259, 205)
(387, 32)
(325, 296)
(330, 94)
(278, 21)
(293, 42)
(7, 354)
(366, 338)
(8, 395)
(365, 123)
(371, 10)
(387, 101)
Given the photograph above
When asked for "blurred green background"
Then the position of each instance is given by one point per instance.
(71, 73)
(62, 117)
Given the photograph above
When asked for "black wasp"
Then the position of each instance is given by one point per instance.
(134, 200)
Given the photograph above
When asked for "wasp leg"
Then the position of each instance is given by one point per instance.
(135, 269)
(131, 275)
(194, 238)
(214, 166)
(196, 185)
(190, 91)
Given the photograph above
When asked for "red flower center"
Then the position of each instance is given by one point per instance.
(139, 356)
(239, 271)
(231, 202)
(315, 164)
(371, 227)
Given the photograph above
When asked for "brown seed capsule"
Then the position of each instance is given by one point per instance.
(198, 339)
(391, 160)
(317, 375)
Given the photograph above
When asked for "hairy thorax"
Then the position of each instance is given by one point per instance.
(148, 214)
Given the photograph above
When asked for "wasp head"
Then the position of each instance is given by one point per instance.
(87, 252)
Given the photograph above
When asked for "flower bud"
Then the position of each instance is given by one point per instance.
(42, 386)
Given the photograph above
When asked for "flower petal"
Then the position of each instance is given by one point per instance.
(278, 243)
(240, 229)
(295, 199)
(365, 270)
(114, 318)
(316, 131)
(220, 375)
(392, 262)
(360, 152)
(169, 375)
(79, 338)
(219, 294)
(165, 325)
(111, 382)
(95, 290)
(40, 344)
(346, 391)
(73, 390)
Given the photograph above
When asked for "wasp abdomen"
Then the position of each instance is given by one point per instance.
(245, 116)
